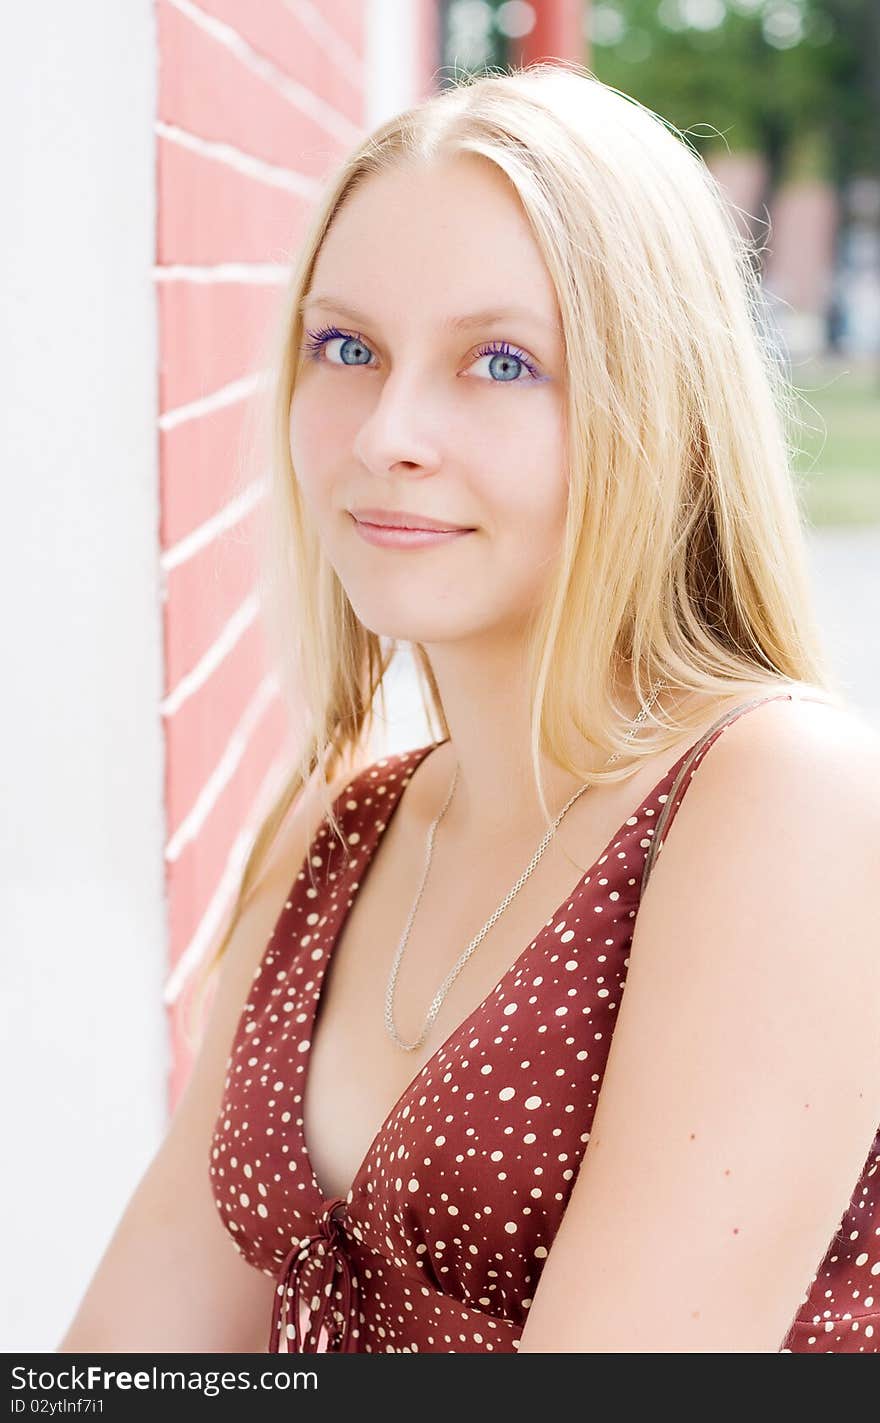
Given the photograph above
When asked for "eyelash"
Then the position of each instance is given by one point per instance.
(317, 340)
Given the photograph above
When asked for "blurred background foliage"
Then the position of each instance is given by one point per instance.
(797, 80)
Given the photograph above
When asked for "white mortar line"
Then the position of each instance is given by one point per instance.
(332, 44)
(246, 163)
(303, 99)
(206, 533)
(222, 898)
(224, 770)
(218, 399)
(257, 274)
(220, 649)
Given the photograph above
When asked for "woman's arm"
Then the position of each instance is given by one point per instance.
(742, 1091)
(171, 1279)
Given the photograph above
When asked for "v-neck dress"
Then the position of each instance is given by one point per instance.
(439, 1244)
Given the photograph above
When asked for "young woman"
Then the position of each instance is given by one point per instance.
(425, 1117)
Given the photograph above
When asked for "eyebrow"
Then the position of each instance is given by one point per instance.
(486, 317)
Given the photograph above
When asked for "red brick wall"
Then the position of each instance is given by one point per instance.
(256, 100)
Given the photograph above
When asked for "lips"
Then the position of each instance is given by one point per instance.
(384, 536)
(416, 523)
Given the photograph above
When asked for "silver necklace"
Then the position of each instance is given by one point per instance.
(450, 978)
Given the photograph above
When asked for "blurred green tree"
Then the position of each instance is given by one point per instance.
(796, 80)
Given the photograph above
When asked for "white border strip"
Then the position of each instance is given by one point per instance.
(225, 769)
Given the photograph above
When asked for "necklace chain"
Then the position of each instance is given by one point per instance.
(456, 969)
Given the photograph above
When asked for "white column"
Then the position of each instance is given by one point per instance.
(84, 1051)
(391, 59)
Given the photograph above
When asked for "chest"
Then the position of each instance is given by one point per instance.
(355, 1072)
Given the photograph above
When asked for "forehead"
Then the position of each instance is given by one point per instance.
(450, 236)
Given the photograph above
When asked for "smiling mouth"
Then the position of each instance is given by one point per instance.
(373, 518)
(409, 528)
(396, 536)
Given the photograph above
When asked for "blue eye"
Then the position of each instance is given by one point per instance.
(317, 340)
(506, 362)
(503, 357)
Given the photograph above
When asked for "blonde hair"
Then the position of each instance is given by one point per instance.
(684, 552)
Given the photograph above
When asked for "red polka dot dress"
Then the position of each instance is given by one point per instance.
(439, 1244)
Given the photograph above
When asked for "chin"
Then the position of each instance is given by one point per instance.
(456, 625)
(409, 629)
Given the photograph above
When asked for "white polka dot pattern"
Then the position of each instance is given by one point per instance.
(438, 1246)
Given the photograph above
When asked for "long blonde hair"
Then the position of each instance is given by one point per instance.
(684, 552)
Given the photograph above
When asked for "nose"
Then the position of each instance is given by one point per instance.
(402, 432)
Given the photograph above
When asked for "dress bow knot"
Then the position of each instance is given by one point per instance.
(325, 1248)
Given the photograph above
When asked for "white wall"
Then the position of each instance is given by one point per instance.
(82, 938)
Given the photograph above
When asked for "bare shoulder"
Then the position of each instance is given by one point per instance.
(741, 1095)
(808, 756)
(789, 787)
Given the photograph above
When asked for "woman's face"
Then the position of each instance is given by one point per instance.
(399, 408)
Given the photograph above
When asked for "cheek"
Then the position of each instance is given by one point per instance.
(549, 458)
(310, 440)
(529, 487)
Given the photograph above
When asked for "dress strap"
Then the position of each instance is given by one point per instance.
(678, 787)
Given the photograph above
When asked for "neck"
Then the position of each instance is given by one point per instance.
(495, 799)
